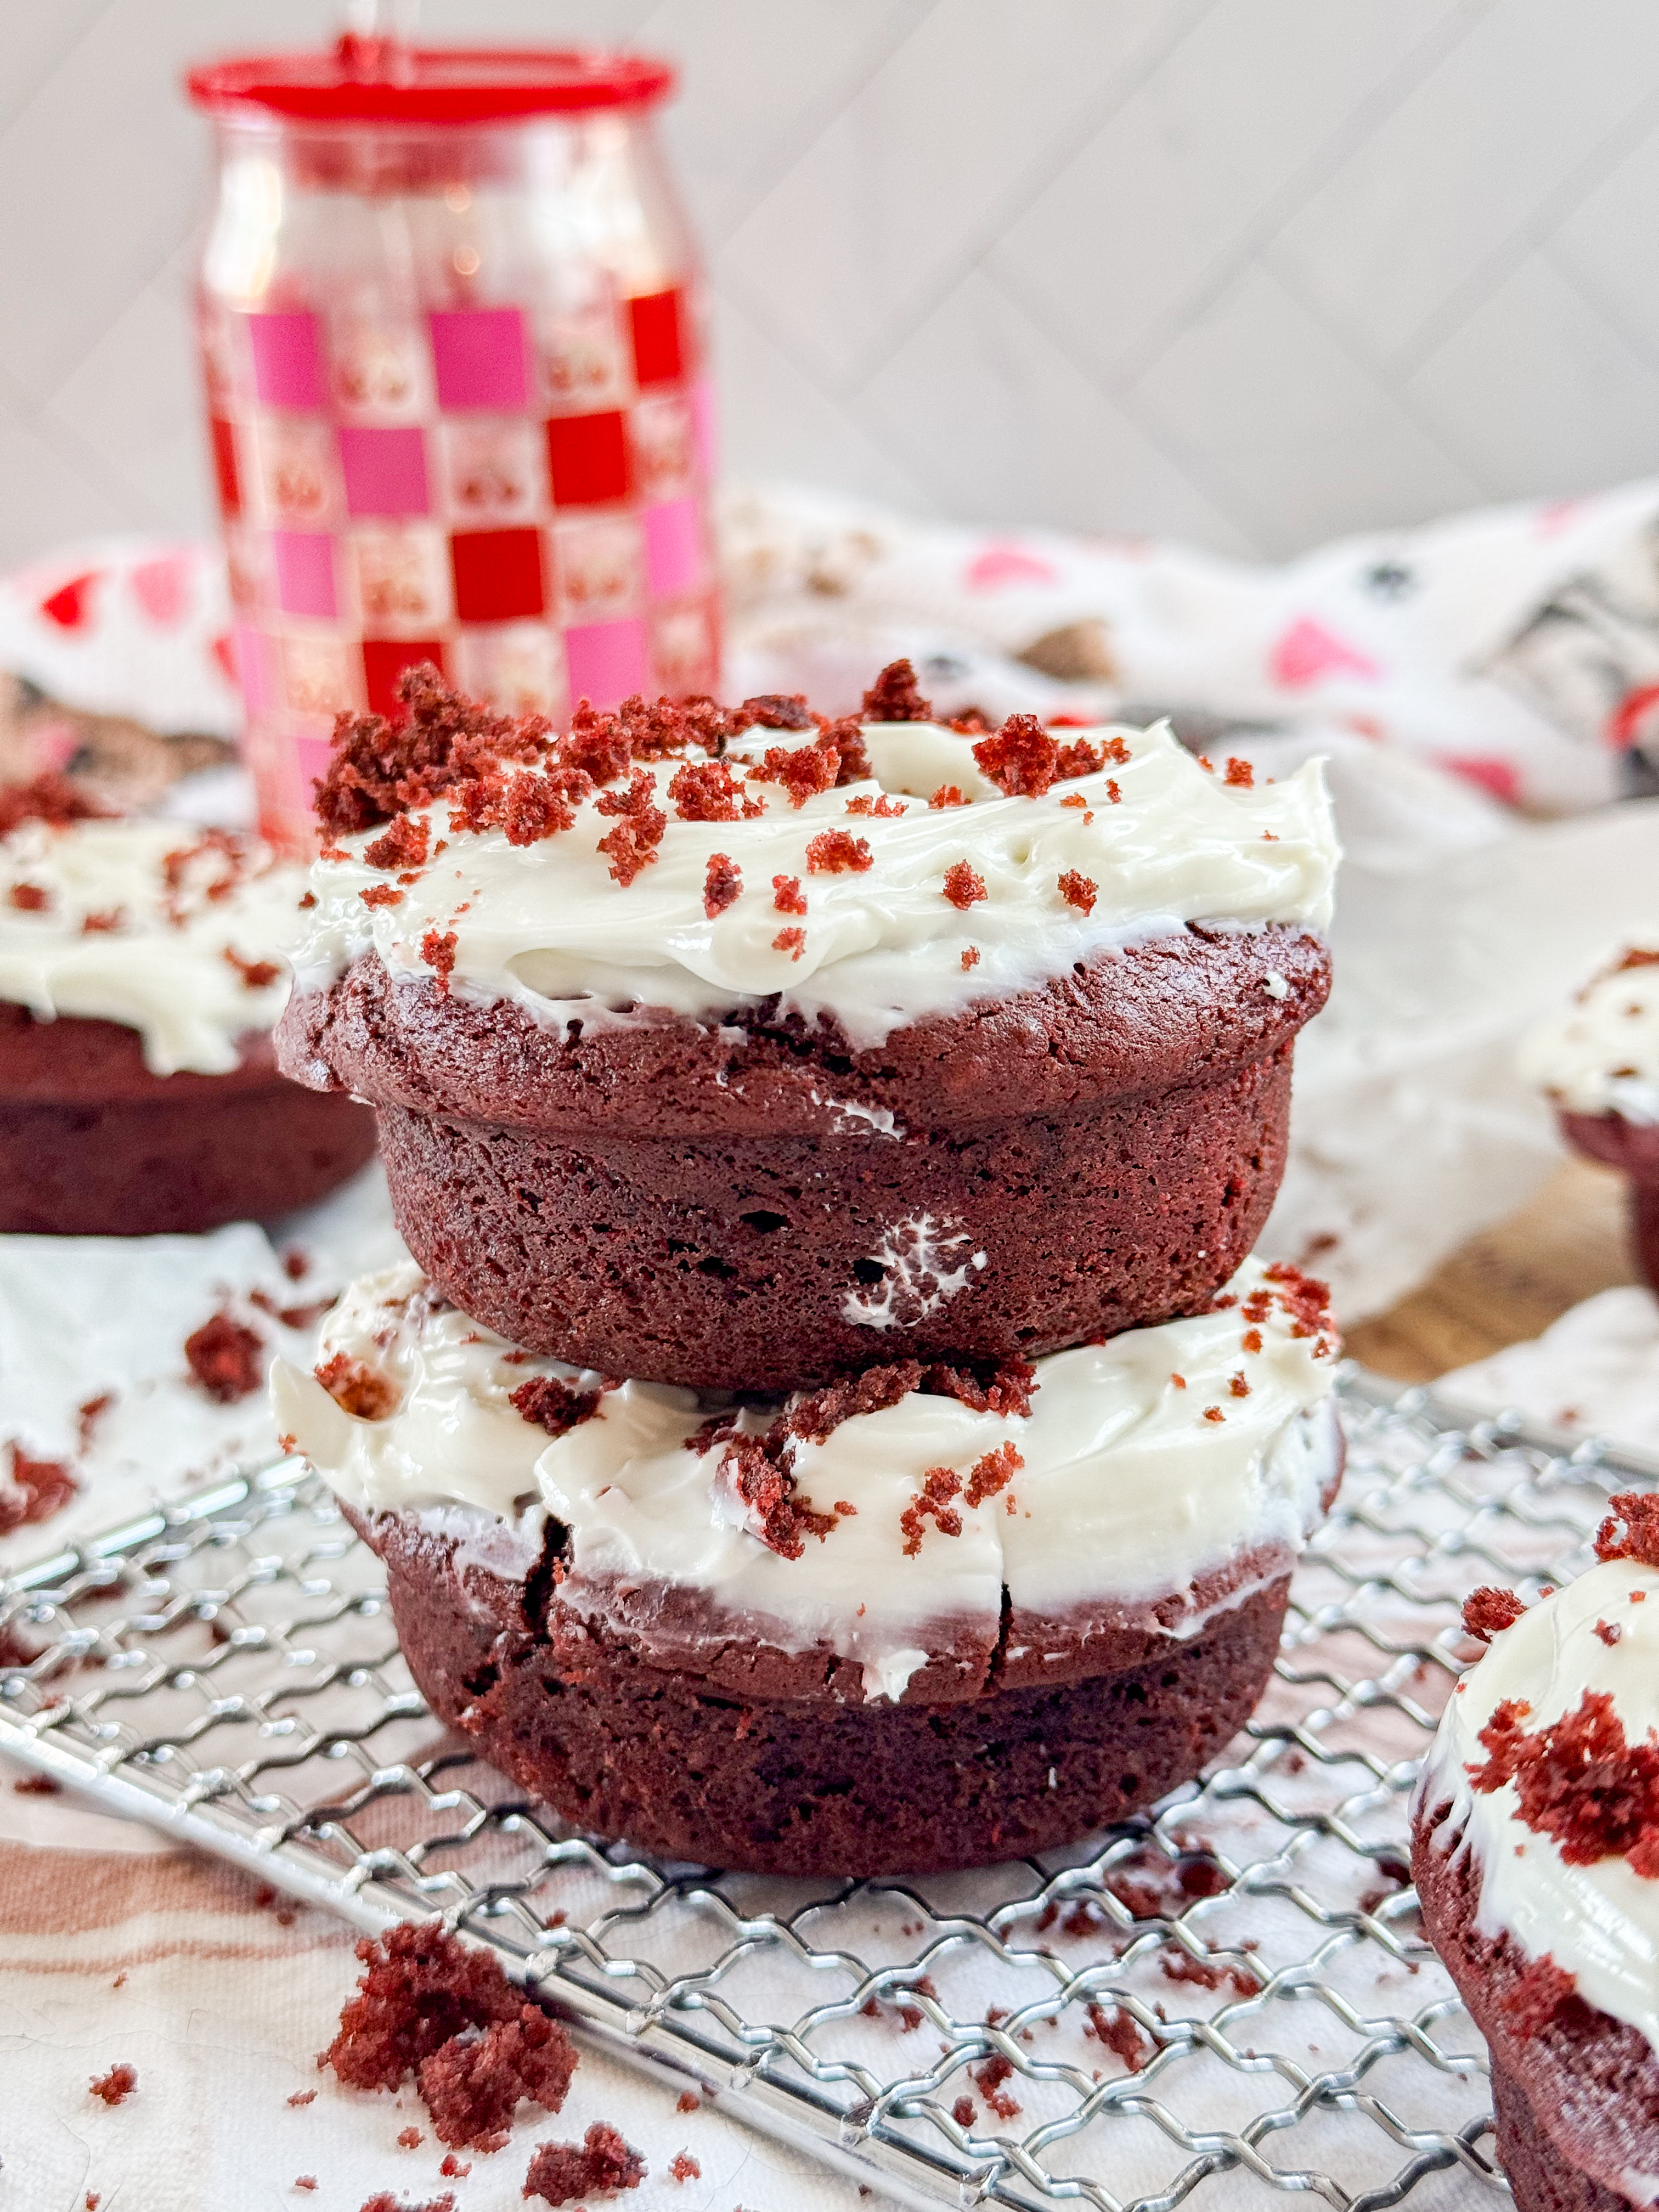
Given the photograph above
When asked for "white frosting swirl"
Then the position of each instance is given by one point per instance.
(94, 923)
(545, 925)
(1602, 1055)
(1130, 1487)
(1599, 1923)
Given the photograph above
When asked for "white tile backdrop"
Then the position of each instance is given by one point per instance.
(1246, 271)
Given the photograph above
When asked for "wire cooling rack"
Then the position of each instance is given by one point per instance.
(1210, 2007)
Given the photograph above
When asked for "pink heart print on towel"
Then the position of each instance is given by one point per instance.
(1000, 566)
(1308, 652)
(162, 587)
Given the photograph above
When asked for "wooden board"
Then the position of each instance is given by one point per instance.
(1508, 1283)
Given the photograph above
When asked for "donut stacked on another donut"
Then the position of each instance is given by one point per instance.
(895, 1104)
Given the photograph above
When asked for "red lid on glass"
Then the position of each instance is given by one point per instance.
(370, 79)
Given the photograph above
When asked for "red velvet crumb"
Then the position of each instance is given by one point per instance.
(1488, 1612)
(632, 845)
(893, 698)
(689, 2100)
(1079, 890)
(803, 770)
(384, 2200)
(29, 898)
(117, 2086)
(791, 941)
(992, 1473)
(409, 2138)
(1540, 1995)
(837, 852)
(474, 2083)
(1240, 774)
(1638, 1512)
(1007, 1389)
(1578, 1781)
(358, 1388)
(405, 844)
(706, 791)
(684, 2167)
(722, 885)
(602, 2164)
(990, 2076)
(756, 1467)
(256, 975)
(963, 887)
(778, 710)
(948, 795)
(454, 2169)
(429, 2004)
(1120, 2033)
(381, 895)
(39, 1488)
(554, 1406)
(53, 799)
(787, 895)
(965, 2113)
(939, 1484)
(1021, 759)
(1609, 1632)
(224, 1358)
(439, 954)
(969, 957)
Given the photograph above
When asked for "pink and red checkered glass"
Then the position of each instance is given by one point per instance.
(518, 494)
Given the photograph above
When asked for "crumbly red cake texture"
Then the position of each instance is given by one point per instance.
(1578, 1781)
(226, 1358)
(50, 798)
(601, 2165)
(117, 2086)
(34, 1490)
(384, 2200)
(1630, 1530)
(554, 1406)
(1488, 1612)
(432, 2006)
(92, 1144)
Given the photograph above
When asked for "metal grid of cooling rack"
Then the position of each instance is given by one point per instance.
(1208, 2009)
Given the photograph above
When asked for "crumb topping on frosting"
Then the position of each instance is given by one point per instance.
(177, 934)
(624, 865)
(854, 1516)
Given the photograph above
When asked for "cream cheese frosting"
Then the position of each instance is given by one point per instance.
(1150, 842)
(1145, 1463)
(1602, 1055)
(176, 933)
(1599, 1923)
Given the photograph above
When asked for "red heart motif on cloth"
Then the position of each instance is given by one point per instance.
(1499, 777)
(162, 588)
(999, 566)
(1308, 651)
(71, 606)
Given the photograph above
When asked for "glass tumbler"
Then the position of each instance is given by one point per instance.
(452, 333)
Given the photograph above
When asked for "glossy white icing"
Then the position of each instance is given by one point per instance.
(546, 926)
(1132, 1483)
(133, 922)
(1602, 1055)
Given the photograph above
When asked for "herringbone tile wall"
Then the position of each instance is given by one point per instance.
(1250, 272)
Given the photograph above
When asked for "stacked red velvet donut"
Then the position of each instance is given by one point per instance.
(833, 1422)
